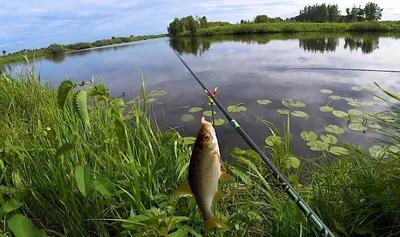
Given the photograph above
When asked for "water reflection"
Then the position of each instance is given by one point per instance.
(367, 43)
(319, 45)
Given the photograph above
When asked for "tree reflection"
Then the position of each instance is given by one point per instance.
(367, 43)
(319, 45)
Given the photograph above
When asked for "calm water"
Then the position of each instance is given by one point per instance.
(245, 69)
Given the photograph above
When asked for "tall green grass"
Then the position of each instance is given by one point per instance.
(77, 162)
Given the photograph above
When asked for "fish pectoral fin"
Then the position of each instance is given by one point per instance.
(217, 197)
(213, 222)
(183, 190)
(221, 162)
(225, 177)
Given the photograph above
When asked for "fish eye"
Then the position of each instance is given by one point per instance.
(206, 137)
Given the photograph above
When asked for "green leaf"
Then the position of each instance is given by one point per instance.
(104, 186)
(355, 103)
(236, 108)
(11, 205)
(158, 93)
(63, 91)
(357, 127)
(219, 122)
(81, 106)
(83, 178)
(368, 103)
(336, 150)
(195, 109)
(300, 114)
(326, 108)
(21, 226)
(289, 103)
(264, 102)
(298, 104)
(272, 140)
(63, 149)
(309, 136)
(326, 91)
(185, 107)
(335, 97)
(334, 129)
(355, 112)
(376, 151)
(356, 88)
(318, 145)
(209, 113)
(340, 114)
(188, 140)
(99, 90)
(187, 117)
(394, 149)
(294, 162)
(340, 227)
(283, 112)
(374, 126)
(328, 138)
(121, 130)
(396, 97)
(378, 98)
(178, 233)
(41, 233)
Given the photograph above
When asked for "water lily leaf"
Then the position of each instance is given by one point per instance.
(357, 127)
(326, 108)
(348, 99)
(374, 126)
(195, 109)
(326, 91)
(376, 151)
(209, 113)
(309, 136)
(335, 97)
(328, 138)
(158, 93)
(284, 111)
(318, 145)
(219, 122)
(236, 108)
(357, 120)
(394, 149)
(356, 88)
(336, 150)
(334, 129)
(368, 103)
(187, 117)
(264, 102)
(300, 114)
(287, 102)
(378, 98)
(272, 140)
(340, 114)
(294, 162)
(355, 112)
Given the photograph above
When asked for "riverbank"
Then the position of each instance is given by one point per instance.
(292, 27)
(55, 49)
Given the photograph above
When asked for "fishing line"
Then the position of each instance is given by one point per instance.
(310, 214)
(343, 69)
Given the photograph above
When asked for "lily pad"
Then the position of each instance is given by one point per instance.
(298, 104)
(219, 122)
(374, 126)
(283, 111)
(236, 108)
(369, 103)
(264, 102)
(394, 149)
(272, 140)
(318, 145)
(300, 114)
(294, 162)
(334, 129)
(195, 109)
(208, 113)
(348, 99)
(337, 150)
(309, 136)
(378, 98)
(187, 117)
(335, 97)
(355, 103)
(357, 127)
(328, 138)
(326, 91)
(326, 108)
(340, 114)
(287, 102)
(376, 151)
(355, 112)
(158, 93)
(356, 88)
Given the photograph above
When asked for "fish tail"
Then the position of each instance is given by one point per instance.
(213, 221)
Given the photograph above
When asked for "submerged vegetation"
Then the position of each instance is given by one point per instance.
(76, 162)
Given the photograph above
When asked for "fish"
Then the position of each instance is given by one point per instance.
(206, 168)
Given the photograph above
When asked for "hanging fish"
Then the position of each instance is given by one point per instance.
(204, 172)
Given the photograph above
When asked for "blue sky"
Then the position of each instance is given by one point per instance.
(38, 23)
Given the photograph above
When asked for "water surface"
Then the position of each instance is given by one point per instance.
(245, 69)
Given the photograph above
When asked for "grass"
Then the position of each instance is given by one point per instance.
(291, 27)
(76, 162)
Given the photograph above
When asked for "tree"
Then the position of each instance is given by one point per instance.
(372, 11)
(193, 25)
(261, 19)
(175, 27)
(203, 21)
(55, 49)
(4, 52)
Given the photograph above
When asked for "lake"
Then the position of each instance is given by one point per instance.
(245, 69)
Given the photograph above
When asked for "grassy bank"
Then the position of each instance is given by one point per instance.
(290, 27)
(59, 49)
(76, 162)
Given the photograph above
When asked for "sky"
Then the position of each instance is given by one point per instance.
(39, 23)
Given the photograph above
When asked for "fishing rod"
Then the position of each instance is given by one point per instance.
(344, 69)
(310, 214)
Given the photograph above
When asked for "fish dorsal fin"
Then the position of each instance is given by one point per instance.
(183, 190)
(225, 177)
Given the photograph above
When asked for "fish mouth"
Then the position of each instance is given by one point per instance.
(204, 122)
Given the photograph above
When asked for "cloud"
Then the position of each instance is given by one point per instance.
(42, 22)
